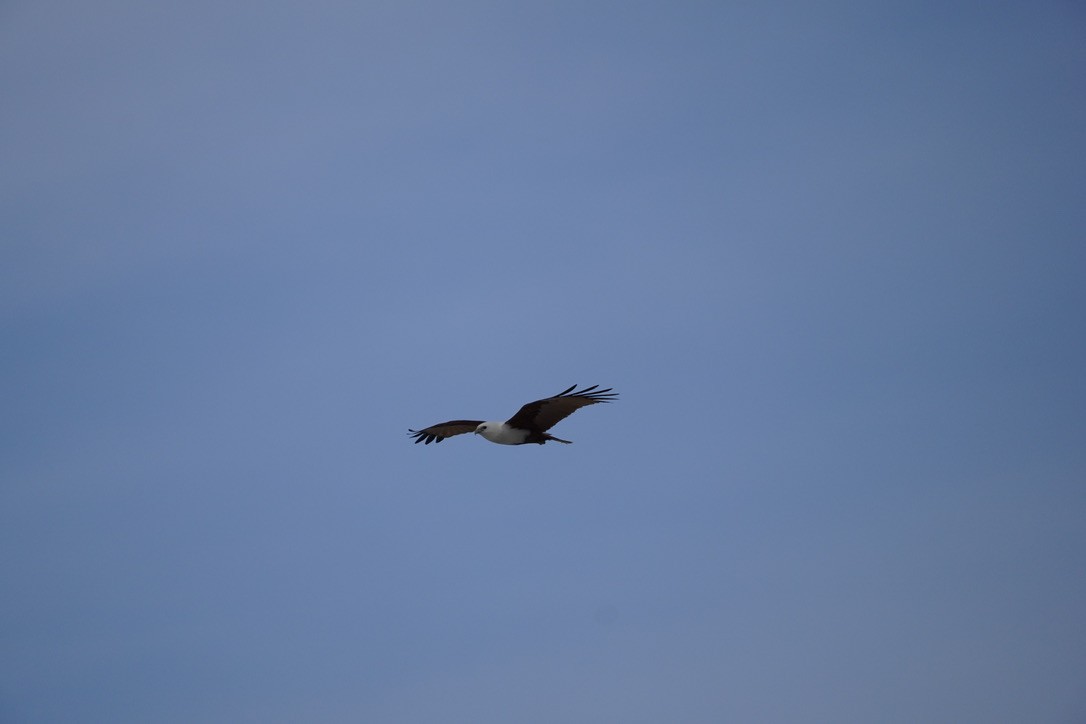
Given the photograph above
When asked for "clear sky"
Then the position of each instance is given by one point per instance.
(831, 255)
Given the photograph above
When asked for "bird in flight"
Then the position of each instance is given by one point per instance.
(530, 424)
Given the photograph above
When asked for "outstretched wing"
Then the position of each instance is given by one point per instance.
(542, 415)
(442, 430)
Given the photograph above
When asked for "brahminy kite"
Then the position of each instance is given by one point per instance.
(530, 424)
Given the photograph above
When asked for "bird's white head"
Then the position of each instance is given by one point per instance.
(488, 429)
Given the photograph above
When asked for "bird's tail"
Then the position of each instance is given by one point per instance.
(557, 439)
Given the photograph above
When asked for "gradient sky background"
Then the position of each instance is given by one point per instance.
(831, 255)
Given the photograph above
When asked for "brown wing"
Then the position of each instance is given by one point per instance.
(542, 415)
(442, 430)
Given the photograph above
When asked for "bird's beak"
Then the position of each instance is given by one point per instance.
(476, 432)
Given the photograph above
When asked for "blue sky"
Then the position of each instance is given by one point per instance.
(830, 255)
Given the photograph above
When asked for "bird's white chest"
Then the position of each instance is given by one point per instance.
(502, 434)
